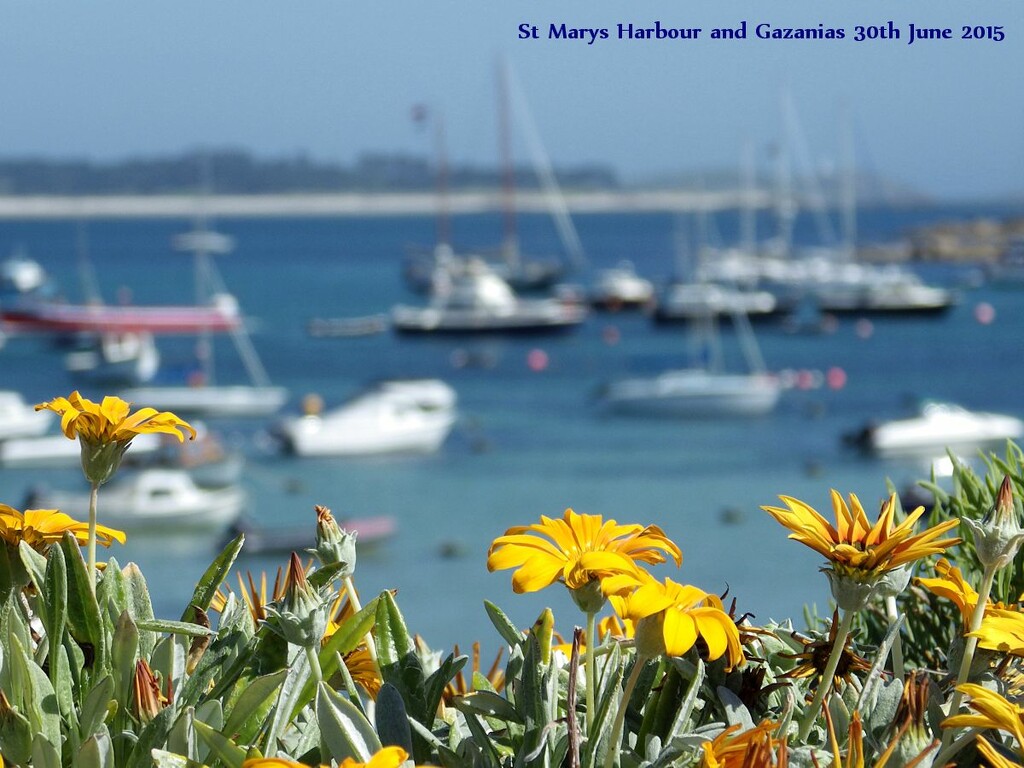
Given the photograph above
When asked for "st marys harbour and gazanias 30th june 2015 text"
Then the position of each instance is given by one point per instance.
(744, 30)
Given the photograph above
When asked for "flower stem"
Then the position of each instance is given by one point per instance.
(811, 713)
(314, 663)
(892, 612)
(947, 753)
(353, 598)
(611, 756)
(969, 648)
(91, 547)
(591, 672)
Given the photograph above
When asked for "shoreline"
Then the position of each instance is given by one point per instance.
(360, 204)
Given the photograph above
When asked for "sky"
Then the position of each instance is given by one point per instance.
(337, 78)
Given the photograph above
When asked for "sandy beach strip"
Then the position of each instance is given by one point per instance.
(356, 204)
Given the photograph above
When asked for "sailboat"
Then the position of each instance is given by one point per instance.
(520, 272)
(707, 389)
(702, 391)
(113, 357)
(208, 399)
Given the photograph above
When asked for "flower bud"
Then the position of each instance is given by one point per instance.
(590, 597)
(894, 582)
(999, 535)
(300, 616)
(149, 701)
(916, 745)
(650, 636)
(850, 594)
(334, 545)
(100, 460)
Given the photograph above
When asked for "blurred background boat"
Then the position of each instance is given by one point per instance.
(412, 416)
(937, 427)
(154, 499)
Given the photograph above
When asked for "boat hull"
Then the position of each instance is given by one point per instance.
(693, 394)
(212, 401)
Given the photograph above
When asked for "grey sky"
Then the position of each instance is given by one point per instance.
(109, 79)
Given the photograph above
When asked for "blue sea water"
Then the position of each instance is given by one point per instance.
(528, 443)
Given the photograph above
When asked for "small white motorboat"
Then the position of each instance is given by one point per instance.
(620, 288)
(56, 450)
(472, 298)
(413, 416)
(19, 419)
(154, 499)
(938, 426)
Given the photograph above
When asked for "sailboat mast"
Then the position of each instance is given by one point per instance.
(748, 213)
(849, 186)
(510, 246)
(444, 229)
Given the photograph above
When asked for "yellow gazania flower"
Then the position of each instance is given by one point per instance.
(585, 549)
(110, 420)
(39, 528)
(388, 757)
(950, 583)
(106, 429)
(854, 546)
(1002, 630)
(992, 757)
(753, 748)
(271, 762)
(990, 711)
(671, 617)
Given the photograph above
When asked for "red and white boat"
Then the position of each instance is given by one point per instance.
(49, 316)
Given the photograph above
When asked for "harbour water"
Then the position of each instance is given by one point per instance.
(529, 442)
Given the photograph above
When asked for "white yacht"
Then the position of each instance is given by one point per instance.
(891, 291)
(19, 419)
(703, 391)
(937, 427)
(471, 298)
(682, 302)
(620, 288)
(413, 416)
(119, 358)
(695, 393)
(154, 499)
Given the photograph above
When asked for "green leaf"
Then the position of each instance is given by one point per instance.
(391, 720)
(83, 610)
(96, 751)
(55, 611)
(124, 650)
(45, 716)
(44, 754)
(288, 698)
(214, 576)
(343, 729)
(140, 606)
(393, 640)
(164, 759)
(63, 685)
(220, 745)
(175, 627)
(152, 736)
(489, 704)
(439, 679)
(15, 737)
(324, 575)
(509, 632)
(94, 709)
(112, 591)
(250, 710)
(34, 563)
